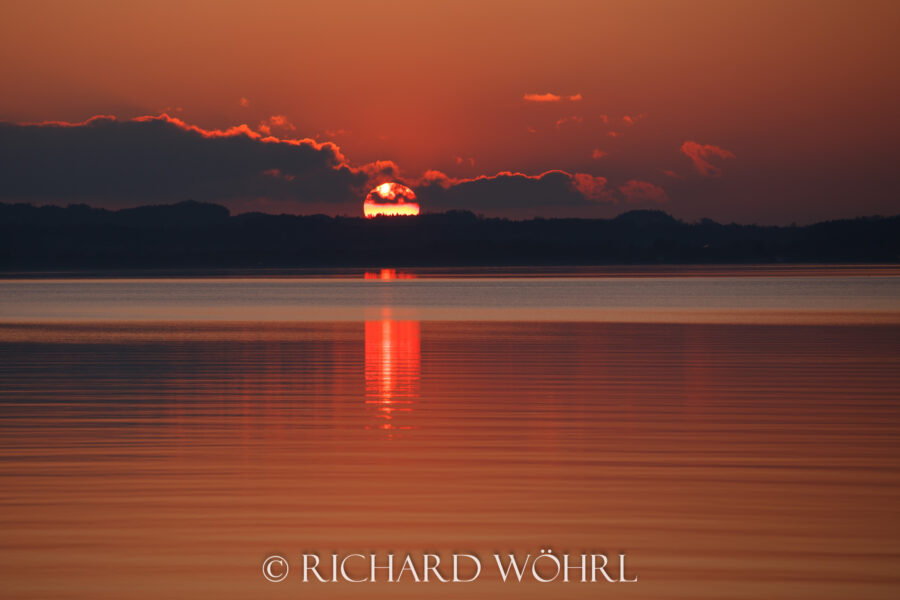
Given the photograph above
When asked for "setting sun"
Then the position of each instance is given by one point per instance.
(390, 199)
(626, 282)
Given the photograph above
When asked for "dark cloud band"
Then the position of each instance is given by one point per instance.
(119, 163)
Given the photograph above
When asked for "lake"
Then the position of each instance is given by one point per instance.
(734, 431)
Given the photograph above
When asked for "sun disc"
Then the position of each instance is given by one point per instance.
(390, 199)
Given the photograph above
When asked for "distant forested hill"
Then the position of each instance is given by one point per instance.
(196, 235)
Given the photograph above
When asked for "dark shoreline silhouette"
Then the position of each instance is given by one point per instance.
(205, 236)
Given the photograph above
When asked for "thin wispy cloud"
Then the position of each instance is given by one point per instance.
(635, 191)
(699, 153)
(548, 97)
(276, 122)
(573, 119)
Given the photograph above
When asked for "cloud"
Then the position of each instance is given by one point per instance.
(591, 187)
(631, 120)
(642, 191)
(508, 192)
(698, 153)
(462, 161)
(275, 122)
(542, 98)
(244, 102)
(433, 177)
(672, 174)
(115, 163)
(573, 119)
(278, 174)
(548, 97)
(333, 133)
(598, 153)
(379, 170)
(613, 134)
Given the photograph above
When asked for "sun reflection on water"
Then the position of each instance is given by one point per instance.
(389, 274)
(392, 367)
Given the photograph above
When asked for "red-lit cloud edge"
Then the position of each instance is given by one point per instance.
(263, 135)
(549, 188)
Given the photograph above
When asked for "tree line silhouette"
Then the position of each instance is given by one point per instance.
(201, 235)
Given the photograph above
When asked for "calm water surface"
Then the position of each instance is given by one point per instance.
(737, 437)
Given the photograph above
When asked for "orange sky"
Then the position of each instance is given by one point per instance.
(793, 102)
